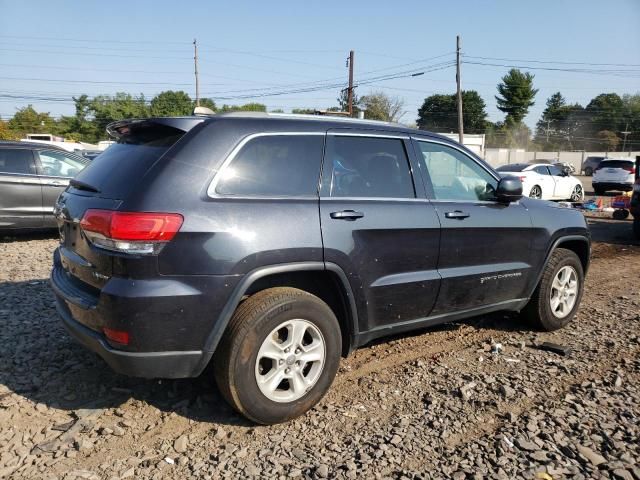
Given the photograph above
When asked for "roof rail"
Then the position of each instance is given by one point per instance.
(306, 116)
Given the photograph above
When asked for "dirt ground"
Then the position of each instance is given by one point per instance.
(438, 403)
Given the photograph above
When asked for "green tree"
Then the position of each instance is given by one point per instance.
(439, 113)
(516, 95)
(379, 106)
(606, 112)
(607, 140)
(28, 120)
(80, 126)
(5, 132)
(560, 125)
(106, 109)
(171, 104)
(343, 102)
(304, 111)
(247, 107)
(208, 103)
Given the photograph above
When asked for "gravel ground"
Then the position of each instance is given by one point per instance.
(442, 403)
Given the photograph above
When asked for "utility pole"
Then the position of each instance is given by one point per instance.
(350, 90)
(625, 133)
(458, 80)
(195, 63)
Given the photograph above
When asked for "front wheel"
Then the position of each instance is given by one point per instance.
(536, 192)
(557, 297)
(279, 355)
(577, 195)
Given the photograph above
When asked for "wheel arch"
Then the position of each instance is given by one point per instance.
(326, 281)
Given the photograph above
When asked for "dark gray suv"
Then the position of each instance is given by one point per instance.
(270, 245)
(32, 175)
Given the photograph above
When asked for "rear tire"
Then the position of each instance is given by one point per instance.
(262, 365)
(588, 171)
(554, 302)
(536, 192)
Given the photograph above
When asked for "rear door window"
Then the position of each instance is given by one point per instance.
(541, 170)
(58, 164)
(367, 167)
(281, 165)
(16, 160)
(116, 171)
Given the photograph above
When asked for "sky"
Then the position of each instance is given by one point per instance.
(250, 50)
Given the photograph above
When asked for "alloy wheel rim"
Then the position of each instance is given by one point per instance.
(577, 193)
(290, 360)
(536, 192)
(564, 291)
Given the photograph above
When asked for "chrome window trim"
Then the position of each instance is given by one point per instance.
(20, 174)
(211, 189)
(369, 199)
(372, 135)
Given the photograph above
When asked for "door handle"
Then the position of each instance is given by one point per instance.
(458, 215)
(347, 215)
(56, 183)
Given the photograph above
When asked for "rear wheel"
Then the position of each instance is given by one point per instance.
(577, 195)
(279, 355)
(588, 171)
(536, 192)
(557, 296)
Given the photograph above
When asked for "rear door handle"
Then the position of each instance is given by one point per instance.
(458, 215)
(56, 183)
(347, 215)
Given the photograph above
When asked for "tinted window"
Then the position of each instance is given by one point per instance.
(454, 175)
(15, 160)
(541, 170)
(274, 165)
(118, 169)
(616, 164)
(58, 164)
(555, 171)
(368, 167)
(515, 167)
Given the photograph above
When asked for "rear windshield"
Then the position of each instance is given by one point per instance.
(514, 167)
(616, 164)
(117, 170)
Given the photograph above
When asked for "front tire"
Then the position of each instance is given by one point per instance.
(557, 297)
(577, 195)
(278, 355)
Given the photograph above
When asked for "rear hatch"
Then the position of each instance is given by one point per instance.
(614, 171)
(103, 185)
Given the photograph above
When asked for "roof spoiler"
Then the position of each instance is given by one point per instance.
(122, 128)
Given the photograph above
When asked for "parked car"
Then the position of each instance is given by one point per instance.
(614, 174)
(90, 154)
(634, 206)
(32, 175)
(590, 164)
(270, 245)
(566, 166)
(548, 182)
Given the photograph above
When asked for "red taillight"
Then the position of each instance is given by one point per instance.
(631, 170)
(134, 226)
(117, 336)
(522, 178)
(130, 232)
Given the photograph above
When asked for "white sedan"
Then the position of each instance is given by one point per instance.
(549, 182)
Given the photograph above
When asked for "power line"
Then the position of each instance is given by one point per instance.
(556, 62)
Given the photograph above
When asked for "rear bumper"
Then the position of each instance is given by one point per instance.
(134, 364)
(624, 187)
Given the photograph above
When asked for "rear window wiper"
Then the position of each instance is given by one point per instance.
(83, 186)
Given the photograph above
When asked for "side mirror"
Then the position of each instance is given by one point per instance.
(509, 190)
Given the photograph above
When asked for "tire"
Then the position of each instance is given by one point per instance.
(598, 191)
(588, 171)
(577, 195)
(636, 228)
(620, 214)
(539, 311)
(237, 367)
(536, 192)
